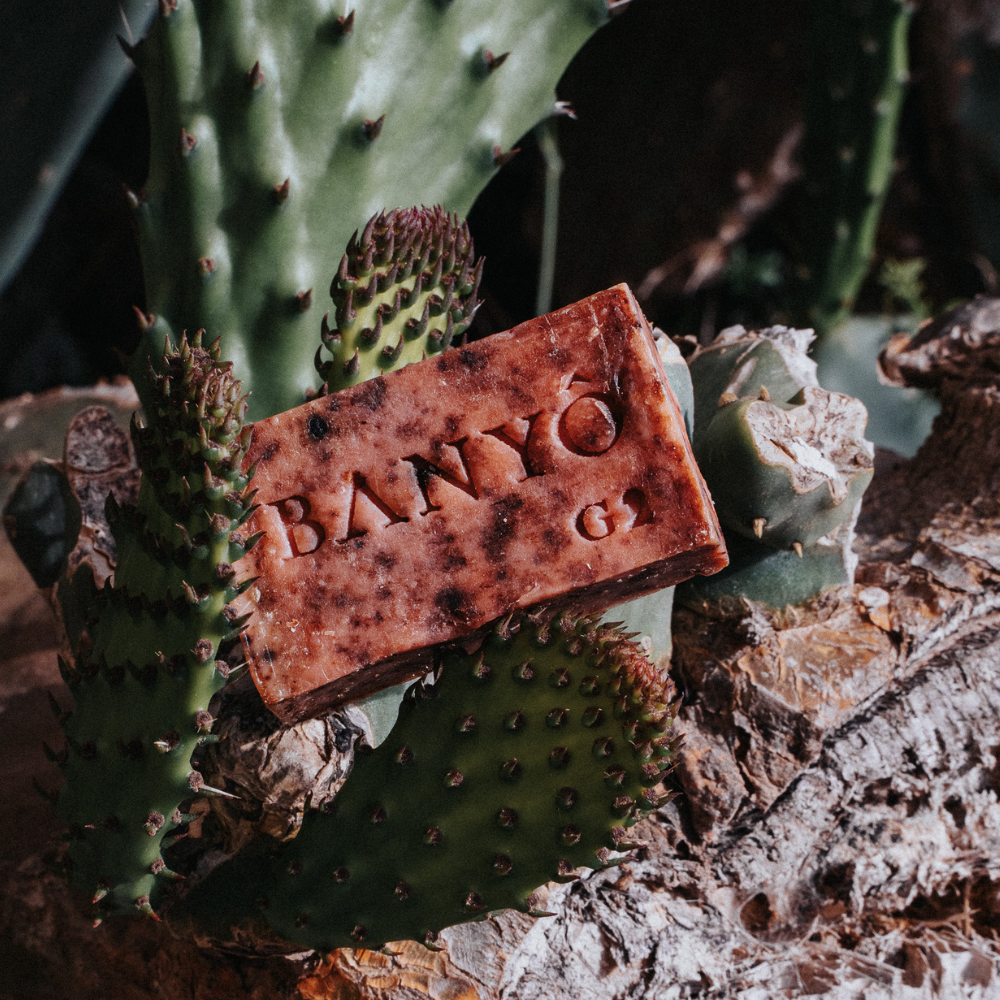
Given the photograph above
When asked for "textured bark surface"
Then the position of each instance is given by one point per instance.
(838, 833)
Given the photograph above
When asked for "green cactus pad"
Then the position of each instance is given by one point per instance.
(406, 289)
(145, 666)
(858, 59)
(522, 763)
(775, 577)
(278, 129)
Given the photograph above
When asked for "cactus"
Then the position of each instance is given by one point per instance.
(523, 762)
(420, 294)
(145, 667)
(857, 81)
(786, 462)
(276, 133)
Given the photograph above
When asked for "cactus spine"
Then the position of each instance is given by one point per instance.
(145, 667)
(420, 295)
(522, 763)
(278, 129)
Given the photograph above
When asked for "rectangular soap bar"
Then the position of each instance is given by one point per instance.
(547, 465)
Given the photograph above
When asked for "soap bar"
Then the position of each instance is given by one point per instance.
(547, 465)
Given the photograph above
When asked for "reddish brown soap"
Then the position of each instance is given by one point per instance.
(547, 465)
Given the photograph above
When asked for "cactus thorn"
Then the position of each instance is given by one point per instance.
(345, 23)
(353, 365)
(765, 396)
(564, 109)
(188, 142)
(727, 397)
(144, 320)
(494, 62)
(255, 76)
(797, 546)
(197, 784)
(251, 542)
(501, 159)
(143, 906)
(758, 526)
(280, 191)
(303, 300)
(616, 7)
(390, 355)
(373, 128)
(134, 199)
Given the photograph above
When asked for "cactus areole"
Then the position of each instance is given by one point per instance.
(545, 465)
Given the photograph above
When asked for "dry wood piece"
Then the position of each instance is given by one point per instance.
(545, 465)
(99, 460)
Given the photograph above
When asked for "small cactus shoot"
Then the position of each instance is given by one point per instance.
(405, 289)
(786, 462)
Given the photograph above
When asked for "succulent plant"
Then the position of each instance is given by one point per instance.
(786, 462)
(404, 290)
(145, 667)
(277, 130)
(858, 73)
(524, 761)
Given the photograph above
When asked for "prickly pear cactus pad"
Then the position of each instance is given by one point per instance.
(525, 761)
(145, 667)
(404, 290)
(279, 128)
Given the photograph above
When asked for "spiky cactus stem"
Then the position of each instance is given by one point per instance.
(145, 667)
(404, 290)
(524, 762)
(858, 74)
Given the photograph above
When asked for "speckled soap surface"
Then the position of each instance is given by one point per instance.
(547, 465)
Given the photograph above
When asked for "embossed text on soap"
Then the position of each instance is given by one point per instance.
(545, 465)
